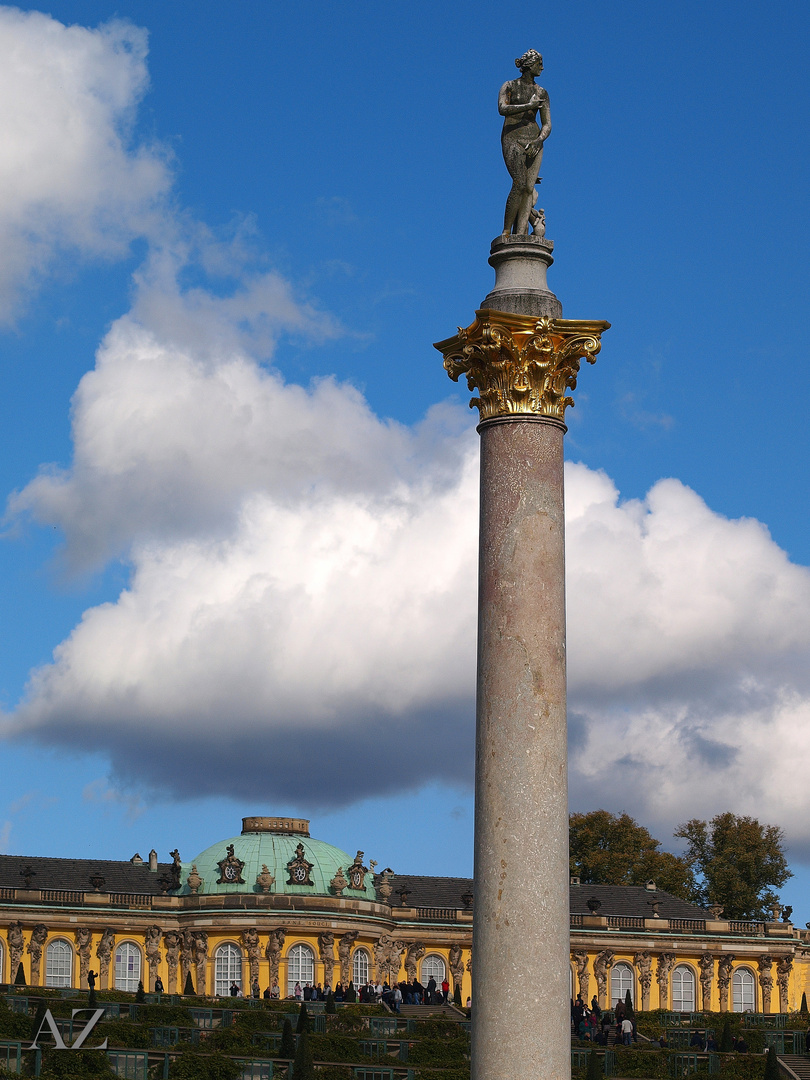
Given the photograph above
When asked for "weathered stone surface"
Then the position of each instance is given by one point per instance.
(520, 935)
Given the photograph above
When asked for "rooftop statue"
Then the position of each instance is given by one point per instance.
(519, 102)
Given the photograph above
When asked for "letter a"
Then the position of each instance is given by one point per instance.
(57, 1038)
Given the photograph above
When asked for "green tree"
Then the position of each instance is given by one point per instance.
(772, 1065)
(287, 1048)
(140, 996)
(188, 989)
(613, 849)
(19, 978)
(303, 1020)
(628, 1005)
(594, 1070)
(726, 1044)
(330, 1003)
(737, 862)
(303, 1065)
(457, 994)
(195, 1066)
(803, 1006)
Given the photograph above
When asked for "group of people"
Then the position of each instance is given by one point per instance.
(593, 1025)
(408, 993)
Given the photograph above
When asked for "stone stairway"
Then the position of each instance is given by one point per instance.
(798, 1064)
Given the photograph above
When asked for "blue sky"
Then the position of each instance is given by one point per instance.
(267, 196)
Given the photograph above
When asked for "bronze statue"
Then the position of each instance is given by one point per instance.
(522, 140)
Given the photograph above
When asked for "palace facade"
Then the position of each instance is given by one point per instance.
(274, 905)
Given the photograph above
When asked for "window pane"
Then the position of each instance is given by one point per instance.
(743, 991)
(360, 967)
(127, 967)
(622, 980)
(227, 969)
(58, 964)
(683, 990)
(432, 966)
(300, 967)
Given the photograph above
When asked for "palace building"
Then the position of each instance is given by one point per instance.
(277, 906)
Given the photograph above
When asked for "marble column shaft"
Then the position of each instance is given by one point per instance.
(520, 936)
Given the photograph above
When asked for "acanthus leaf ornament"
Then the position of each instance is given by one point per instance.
(521, 365)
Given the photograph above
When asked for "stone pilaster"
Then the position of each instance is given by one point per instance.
(523, 359)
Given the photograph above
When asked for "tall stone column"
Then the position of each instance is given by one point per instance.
(522, 357)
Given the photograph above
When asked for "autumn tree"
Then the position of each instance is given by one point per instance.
(613, 849)
(736, 862)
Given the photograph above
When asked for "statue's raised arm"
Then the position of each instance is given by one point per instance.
(519, 103)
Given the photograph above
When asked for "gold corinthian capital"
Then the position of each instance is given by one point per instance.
(521, 365)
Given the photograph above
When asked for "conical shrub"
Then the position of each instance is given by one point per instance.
(771, 1064)
(594, 1071)
(287, 1048)
(303, 1020)
(726, 1045)
(628, 1005)
(188, 988)
(803, 1006)
(303, 1066)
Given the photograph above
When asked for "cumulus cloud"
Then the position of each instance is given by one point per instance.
(71, 178)
(302, 602)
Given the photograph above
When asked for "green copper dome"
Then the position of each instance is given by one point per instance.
(275, 843)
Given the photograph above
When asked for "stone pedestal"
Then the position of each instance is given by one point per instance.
(523, 358)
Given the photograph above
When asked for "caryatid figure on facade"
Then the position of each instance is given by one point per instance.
(250, 940)
(152, 948)
(345, 943)
(104, 950)
(580, 958)
(706, 965)
(519, 102)
(643, 962)
(39, 935)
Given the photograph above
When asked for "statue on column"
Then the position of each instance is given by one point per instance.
(39, 935)
(643, 962)
(152, 949)
(706, 965)
(104, 953)
(583, 975)
(765, 981)
(601, 966)
(666, 962)
(522, 140)
(784, 965)
(724, 978)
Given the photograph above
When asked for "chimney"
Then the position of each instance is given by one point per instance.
(153, 861)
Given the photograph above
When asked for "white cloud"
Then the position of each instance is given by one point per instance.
(70, 178)
(301, 612)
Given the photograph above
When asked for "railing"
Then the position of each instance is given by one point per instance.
(737, 926)
(62, 896)
(7, 894)
(137, 900)
(576, 920)
(444, 913)
(635, 922)
(688, 924)
(130, 1064)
